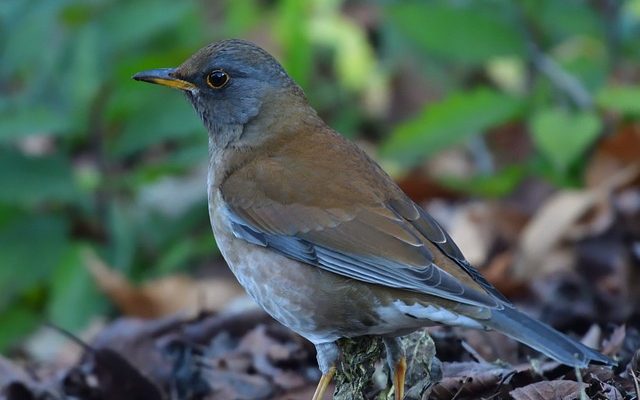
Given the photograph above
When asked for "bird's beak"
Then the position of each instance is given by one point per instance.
(165, 77)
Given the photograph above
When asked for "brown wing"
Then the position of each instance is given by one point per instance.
(357, 224)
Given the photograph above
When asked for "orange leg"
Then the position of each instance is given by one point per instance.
(399, 373)
(324, 382)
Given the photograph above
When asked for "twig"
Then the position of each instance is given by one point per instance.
(504, 379)
(466, 380)
(481, 154)
(561, 79)
(474, 353)
(70, 336)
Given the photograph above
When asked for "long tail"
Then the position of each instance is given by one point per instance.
(544, 338)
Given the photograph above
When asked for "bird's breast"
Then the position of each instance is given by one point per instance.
(319, 305)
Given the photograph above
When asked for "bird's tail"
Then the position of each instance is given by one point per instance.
(544, 338)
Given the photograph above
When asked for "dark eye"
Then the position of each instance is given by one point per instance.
(217, 79)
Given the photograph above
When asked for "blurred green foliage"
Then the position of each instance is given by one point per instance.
(91, 159)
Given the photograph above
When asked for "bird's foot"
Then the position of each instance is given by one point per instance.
(324, 383)
(399, 372)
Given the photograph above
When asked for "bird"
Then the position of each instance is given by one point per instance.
(318, 234)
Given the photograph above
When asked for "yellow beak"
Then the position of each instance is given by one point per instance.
(165, 77)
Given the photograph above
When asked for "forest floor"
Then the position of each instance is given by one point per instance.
(568, 257)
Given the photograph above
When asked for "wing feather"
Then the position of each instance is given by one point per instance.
(370, 232)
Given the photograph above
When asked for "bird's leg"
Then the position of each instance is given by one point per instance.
(327, 355)
(323, 383)
(397, 364)
(399, 373)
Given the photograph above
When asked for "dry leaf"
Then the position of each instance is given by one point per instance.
(17, 384)
(547, 228)
(105, 374)
(499, 273)
(468, 380)
(614, 153)
(9, 372)
(548, 390)
(491, 345)
(556, 217)
(227, 385)
(304, 393)
(473, 228)
(163, 296)
(420, 187)
(614, 343)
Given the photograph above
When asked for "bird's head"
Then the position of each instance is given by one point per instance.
(229, 82)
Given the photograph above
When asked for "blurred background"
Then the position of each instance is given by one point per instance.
(516, 123)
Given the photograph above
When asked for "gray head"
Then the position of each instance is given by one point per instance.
(227, 82)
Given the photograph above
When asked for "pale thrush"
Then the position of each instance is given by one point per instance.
(318, 234)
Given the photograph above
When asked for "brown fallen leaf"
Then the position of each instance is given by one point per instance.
(16, 384)
(469, 380)
(548, 390)
(600, 379)
(614, 153)
(163, 296)
(104, 374)
(607, 391)
(613, 343)
(420, 187)
(303, 393)
(491, 345)
(499, 273)
(268, 353)
(226, 385)
(9, 372)
(556, 217)
(137, 340)
(473, 227)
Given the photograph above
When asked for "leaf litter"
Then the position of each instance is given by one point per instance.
(586, 282)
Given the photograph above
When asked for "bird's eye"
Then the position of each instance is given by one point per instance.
(217, 79)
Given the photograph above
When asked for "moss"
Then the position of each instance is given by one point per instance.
(357, 365)
(363, 372)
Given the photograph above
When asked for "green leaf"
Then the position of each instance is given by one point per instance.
(16, 322)
(123, 238)
(74, 296)
(292, 34)
(85, 73)
(131, 23)
(449, 122)
(31, 180)
(458, 31)
(563, 136)
(622, 99)
(28, 24)
(551, 15)
(162, 117)
(175, 257)
(241, 16)
(497, 185)
(31, 121)
(30, 249)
